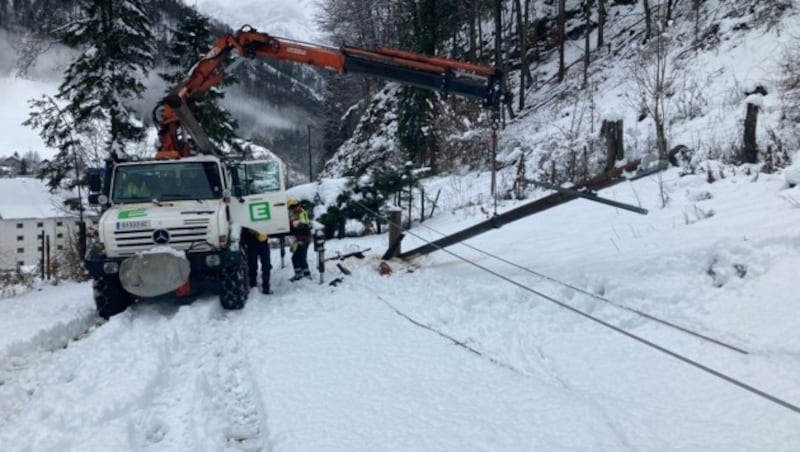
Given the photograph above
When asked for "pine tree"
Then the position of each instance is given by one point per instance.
(116, 43)
(417, 108)
(191, 40)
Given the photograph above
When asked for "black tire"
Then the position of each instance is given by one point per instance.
(234, 284)
(109, 296)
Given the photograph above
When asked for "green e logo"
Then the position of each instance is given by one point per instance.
(259, 211)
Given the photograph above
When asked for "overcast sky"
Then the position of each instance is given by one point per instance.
(294, 19)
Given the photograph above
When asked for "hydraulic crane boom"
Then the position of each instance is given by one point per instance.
(445, 75)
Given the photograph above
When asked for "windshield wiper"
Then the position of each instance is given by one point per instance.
(180, 197)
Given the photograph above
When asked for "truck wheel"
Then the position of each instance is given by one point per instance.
(234, 284)
(109, 297)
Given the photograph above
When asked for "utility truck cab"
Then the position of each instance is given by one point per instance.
(172, 228)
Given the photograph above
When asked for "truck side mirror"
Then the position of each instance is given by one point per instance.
(95, 181)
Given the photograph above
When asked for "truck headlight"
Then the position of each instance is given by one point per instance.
(213, 260)
(110, 268)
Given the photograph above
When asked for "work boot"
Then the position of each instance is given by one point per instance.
(306, 274)
(298, 275)
(266, 291)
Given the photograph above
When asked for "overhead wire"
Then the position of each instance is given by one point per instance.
(753, 390)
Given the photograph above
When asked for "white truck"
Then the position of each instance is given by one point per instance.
(172, 228)
(171, 225)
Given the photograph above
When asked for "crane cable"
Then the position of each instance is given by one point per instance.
(678, 356)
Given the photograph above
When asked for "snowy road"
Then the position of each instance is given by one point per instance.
(318, 368)
(285, 374)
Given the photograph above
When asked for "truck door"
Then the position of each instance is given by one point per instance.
(259, 197)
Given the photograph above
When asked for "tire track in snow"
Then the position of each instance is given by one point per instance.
(150, 379)
(164, 419)
(234, 393)
(204, 393)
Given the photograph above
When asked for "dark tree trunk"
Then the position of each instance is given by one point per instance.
(587, 50)
(498, 33)
(696, 4)
(601, 22)
(647, 19)
(668, 16)
(522, 31)
(472, 31)
(480, 29)
(562, 20)
(661, 140)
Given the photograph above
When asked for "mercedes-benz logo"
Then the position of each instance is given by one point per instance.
(161, 236)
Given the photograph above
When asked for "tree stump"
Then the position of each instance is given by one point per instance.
(750, 146)
(612, 135)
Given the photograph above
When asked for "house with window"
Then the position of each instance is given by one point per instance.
(29, 213)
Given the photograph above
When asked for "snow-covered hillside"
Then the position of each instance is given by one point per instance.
(709, 82)
(295, 20)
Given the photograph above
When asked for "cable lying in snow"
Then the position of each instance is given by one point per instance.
(598, 297)
(678, 356)
(455, 341)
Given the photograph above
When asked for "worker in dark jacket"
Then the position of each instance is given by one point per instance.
(300, 227)
(258, 250)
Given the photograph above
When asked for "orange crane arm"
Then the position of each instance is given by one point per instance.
(445, 75)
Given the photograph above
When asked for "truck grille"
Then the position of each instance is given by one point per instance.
(191, 235)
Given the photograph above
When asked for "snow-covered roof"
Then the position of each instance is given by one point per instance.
(23, 197)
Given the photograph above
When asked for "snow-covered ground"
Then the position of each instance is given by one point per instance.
(450, 355)
(314, 367)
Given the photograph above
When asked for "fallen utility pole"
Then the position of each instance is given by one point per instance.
(591, 196)
(598, 182)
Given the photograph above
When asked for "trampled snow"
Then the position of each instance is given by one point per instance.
(350, 367)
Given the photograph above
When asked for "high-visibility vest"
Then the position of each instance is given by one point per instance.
(133, 190)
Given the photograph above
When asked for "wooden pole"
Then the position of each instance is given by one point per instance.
(310, 171)
(41, 253)
(394, 217)
(47, 253)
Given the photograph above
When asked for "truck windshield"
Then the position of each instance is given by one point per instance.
(166, 181)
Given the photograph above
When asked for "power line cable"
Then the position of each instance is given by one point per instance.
(598, 297)
(678, 356)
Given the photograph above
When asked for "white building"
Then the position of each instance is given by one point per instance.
(28, 210)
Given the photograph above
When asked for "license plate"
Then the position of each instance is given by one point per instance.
(130, 225)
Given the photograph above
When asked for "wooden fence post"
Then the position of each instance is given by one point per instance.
(394, 217)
